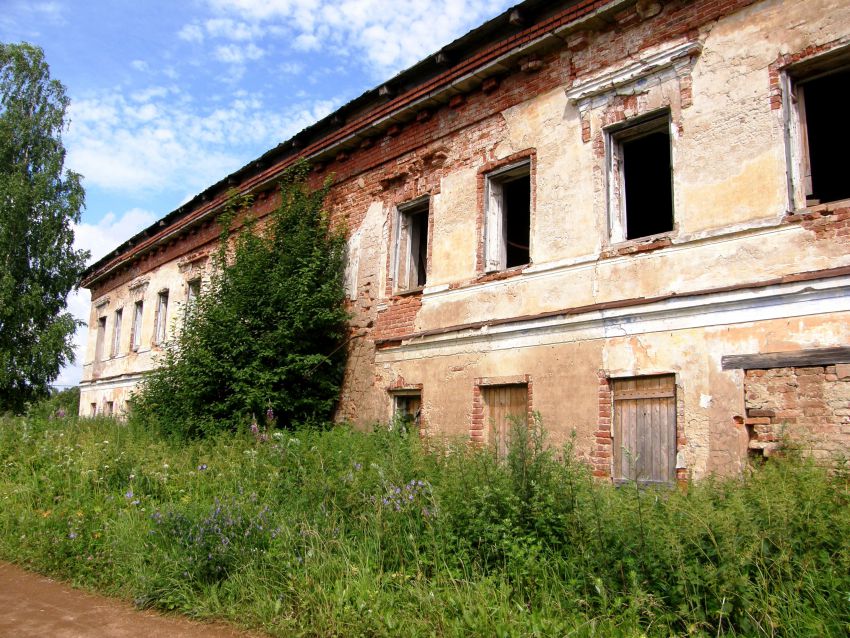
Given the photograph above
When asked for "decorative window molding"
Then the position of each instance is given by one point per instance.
(647, 70)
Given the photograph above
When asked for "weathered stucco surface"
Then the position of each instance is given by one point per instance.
(736, 274)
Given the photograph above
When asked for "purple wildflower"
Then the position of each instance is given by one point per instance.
(129, 494)
(202, 467)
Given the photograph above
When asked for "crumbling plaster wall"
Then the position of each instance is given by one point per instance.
(730, 189)
(731, 228)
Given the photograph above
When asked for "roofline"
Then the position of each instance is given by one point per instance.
(469, 59)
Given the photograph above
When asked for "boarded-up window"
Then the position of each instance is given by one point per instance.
(645, 429)
(504, 405)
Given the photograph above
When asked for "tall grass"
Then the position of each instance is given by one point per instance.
(339, 532)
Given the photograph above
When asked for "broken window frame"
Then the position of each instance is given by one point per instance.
(496, 215)
(615, 137)
(794, 79)
(409, 273)
(161, 318)
(118, 318)
(136, 334)
(402, 410)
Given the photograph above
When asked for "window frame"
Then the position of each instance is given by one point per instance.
(495, 214)
(405, 258)
(100, 338)
(161, 319)
(400, 411)
(615, 136)
(138, 317)
(798, 157)
(117, 320)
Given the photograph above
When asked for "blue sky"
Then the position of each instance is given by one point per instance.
(169, 97)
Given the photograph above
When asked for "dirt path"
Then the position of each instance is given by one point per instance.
(32, 605)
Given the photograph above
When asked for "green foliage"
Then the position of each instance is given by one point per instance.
(269, 330)
(39, 203)
(345, 533)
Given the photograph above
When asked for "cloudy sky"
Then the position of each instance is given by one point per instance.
(169, 97)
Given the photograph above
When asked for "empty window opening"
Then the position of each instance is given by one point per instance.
(412, 247)
(407, 409)
(505, 407)
(101, 336)
(645, 429)
(508, 218)
(116, 332)
(641, 168)
(161, 323)
(93, 410)
(824, 136)
(138, 311)
(109, 408)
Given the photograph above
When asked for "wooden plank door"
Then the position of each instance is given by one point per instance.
(645, 429)
(504, 405)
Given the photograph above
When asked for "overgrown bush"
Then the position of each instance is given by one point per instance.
(267, 332)
(345, 533)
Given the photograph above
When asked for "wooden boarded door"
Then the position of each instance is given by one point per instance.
(645, 429)
(504, 405)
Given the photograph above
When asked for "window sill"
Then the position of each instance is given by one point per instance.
(410, 292)
(639, 245)
(498, 275)
(825, 209)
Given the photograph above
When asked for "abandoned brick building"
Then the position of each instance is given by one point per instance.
(630, 217)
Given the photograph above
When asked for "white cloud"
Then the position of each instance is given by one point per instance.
(291, 68)
(232, 29)
(157, 140)
(388, 35)
(99, 239)
(139, 65)
(191, 33)
(234, 54)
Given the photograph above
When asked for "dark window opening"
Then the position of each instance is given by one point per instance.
(822, 103)
(508, 224)
(517, 202)
(642, 164)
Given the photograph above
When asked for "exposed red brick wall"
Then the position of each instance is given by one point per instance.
(398, 318)
(810, 406)
(603, 448)
(828, 222)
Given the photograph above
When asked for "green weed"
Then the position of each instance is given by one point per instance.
(346, 533)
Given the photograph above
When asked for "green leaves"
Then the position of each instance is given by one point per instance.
(39, 203)
(267, 332)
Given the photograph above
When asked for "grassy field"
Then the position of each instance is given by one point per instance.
(343, 533)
